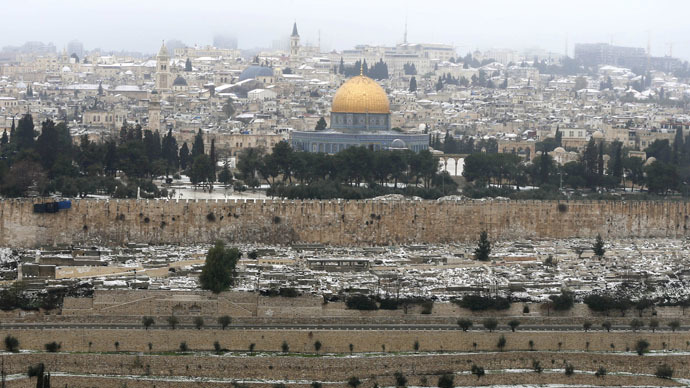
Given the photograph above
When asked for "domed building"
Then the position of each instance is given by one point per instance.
(180, 84)
(260, 73)
(360, 116)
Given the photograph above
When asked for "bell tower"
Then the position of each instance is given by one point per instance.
(294, 41)
(163, 76)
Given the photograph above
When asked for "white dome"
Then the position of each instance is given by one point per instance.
(66, 69)
(650, 161)
(398, 143)
(559, 150)
(598, 135)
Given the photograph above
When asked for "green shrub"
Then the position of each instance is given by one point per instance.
(11, 344)
(481, 303)
(664, 371)
(446, 381)
(52, 347)
(361, 302)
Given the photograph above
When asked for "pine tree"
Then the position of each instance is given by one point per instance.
(483, 249)
(413, 84)
(341, 67)
(5, 139)
(218, 272)
(100, 88)
(439, 84)
(321, 124)
(225, 176)
(123, 132)
(188, 65)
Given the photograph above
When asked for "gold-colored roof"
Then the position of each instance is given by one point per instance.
(360, 94)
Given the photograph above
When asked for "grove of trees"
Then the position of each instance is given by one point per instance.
(356, 172)
(491, 173)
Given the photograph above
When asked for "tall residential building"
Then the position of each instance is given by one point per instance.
(76, 47)
(594, 54)
(225, 42)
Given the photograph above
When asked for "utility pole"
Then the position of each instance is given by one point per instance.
(649, 49)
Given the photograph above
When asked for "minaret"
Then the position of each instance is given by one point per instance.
(294, 41)
(154, 112)
(163, 76)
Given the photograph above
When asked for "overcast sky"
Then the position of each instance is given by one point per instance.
(141, 25)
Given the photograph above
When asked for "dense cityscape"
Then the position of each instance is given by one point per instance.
(295, 215)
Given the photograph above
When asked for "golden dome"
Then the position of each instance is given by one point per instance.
(360, 94)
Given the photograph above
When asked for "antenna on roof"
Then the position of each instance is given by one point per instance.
(649, 48)
(405, 36)
(566, 44)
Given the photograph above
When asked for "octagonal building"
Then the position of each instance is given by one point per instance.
(360, 116)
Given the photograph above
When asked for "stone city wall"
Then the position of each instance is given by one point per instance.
(333, 222)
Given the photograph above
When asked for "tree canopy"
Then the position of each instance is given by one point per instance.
(218, 273)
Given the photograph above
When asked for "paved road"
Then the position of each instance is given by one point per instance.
(356, 327)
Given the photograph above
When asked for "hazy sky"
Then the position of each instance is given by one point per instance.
(141, 25)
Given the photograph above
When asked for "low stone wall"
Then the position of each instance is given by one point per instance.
(242, 305)
(335, 371)
(338, 341)
(459, 381)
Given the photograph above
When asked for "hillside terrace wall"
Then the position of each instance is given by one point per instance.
(334, 222)
(339, 369)
(243, 305)
(338, 341)
(502, 379)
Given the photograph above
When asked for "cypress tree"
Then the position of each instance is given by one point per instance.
(198, 146)
(184, 156)
(12, 131)
(25, 132)
(413, 84)
(214, 160)
(483, 249)
(598, 247)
